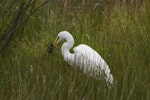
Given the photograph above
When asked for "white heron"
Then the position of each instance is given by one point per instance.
(83, 57)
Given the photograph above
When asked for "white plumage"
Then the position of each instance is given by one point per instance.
(83, 57)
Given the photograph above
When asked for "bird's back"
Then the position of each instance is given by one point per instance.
(87, 58)
(90, 61)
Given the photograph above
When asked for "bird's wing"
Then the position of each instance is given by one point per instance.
(89, 60)
(87, 57)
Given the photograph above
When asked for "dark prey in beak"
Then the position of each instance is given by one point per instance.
(50, 48)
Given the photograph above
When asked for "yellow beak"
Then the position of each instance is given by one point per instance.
(55, 42)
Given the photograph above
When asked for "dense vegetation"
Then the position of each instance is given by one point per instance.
(119, 31)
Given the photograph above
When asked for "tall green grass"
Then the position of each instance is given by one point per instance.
(120, 33)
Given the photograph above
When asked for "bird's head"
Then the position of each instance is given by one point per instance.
(61, 36)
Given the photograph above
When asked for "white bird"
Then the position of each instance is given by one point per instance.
(83, 57)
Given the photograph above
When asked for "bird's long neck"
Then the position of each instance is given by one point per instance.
(66, 48)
